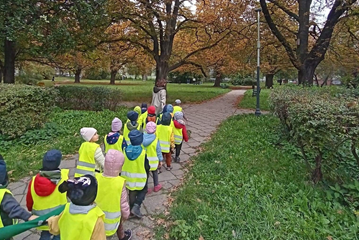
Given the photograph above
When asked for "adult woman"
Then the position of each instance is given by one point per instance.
(159, 95)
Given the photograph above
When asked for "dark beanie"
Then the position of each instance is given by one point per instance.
(81, 191)
(51, 160)
(166, 119)
(132, 115)
(3, 173)
(136, 137)
(143, 107)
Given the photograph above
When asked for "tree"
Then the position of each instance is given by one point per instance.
(155, 25)
(304, 53)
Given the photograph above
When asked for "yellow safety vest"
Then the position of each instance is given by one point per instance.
(78, 226)
(44, 205)
(152, 155)
(2, 193)
(178, 135)
(109, 200)
(126, 131)
(177, 109)
(144, 118)
(134, 172)
(164, 136)
(116, 146)
(86, 163)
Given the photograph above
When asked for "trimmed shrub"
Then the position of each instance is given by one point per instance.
(248, 81)
(24, 107)
(323, 123)
(88, 98)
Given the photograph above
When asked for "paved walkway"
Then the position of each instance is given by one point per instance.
(203, 120)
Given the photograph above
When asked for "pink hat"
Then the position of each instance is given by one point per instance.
(116, 125)
(151, 127)
(113, 163)
(87, 133)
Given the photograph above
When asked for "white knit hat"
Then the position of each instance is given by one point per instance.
(178, 101)
(87, 133)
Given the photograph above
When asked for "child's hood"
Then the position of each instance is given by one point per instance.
(130, 126)
(148, 139)
(112, 138)
(113, 163)
(43, 186)
(178, 124)
(133, 152)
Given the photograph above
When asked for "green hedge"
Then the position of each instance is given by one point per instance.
(24, 107)
(323, 126)
(88, 98)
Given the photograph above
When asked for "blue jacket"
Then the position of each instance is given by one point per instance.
(148, 139)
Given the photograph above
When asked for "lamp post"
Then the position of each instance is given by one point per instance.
(258, 111)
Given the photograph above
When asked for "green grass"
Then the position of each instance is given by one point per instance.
(140, 91)
(244, 187)
(23, 155)
(250, 102)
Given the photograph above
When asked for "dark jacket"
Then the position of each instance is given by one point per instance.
(10, 209)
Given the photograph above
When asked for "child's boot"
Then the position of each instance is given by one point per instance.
(157, 188)
(177, 159)
(136, 210)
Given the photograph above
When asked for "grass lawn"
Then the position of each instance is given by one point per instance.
(250, 102)
(140, 91)
(23, 155)
(244, 187)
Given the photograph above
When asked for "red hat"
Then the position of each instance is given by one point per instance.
(151, 110)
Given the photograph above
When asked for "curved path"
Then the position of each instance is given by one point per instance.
(203, 120)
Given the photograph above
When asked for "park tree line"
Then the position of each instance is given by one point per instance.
(205, 36)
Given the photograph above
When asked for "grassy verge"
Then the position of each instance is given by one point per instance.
(244, 187)
(24, 155)
(250, 102)
(140, 91)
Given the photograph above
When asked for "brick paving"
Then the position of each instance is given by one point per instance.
(203, 120)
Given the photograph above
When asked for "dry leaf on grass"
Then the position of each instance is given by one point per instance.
(10, 172)
(200, 238)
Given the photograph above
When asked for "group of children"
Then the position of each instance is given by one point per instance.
(107, 188)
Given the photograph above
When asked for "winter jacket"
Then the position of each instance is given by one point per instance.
(133, 152)
(113, 166)
(148, 139)
(43, 187)
(112, 138)
(10, 209)
(184, 129)
(159, 99)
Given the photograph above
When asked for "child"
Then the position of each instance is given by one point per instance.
(144, 114)
(42, 194)
(131, 124)
(154, 154)
(151, 116)
(10, 209)
(143, 108)
(166, 138)
(135, 171)
(167, 108)
(81, 219)
(91, 158)
(180, 134)
(114, 139)
(178, 108)
(112, 195)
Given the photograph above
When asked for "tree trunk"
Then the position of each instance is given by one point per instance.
(217, 82)
(9, 66)
(144, 77)
(113, 77)
(162, 70)
(78, 75)
(269, 80)
(306, 73)
(317, 173)
(1, 70)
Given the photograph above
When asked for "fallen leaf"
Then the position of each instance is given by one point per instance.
(10, 172)
(200, 238)
(330, 238)
(234, 233)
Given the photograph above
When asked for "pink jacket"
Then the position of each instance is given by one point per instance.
(113, 165)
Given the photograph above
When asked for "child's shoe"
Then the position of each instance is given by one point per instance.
(128, 235)
(177, 159)
(149, 191)
(157, 188)
(136, 210)
(169, 168)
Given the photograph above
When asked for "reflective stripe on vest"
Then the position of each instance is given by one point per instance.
(178, 135)
(86, 163)
(109, 200)
(117, 146)
(177, 109)
(2, 193)
(134, 172)
(44, 205)
(152, 155)
(78, 226)
(164, 136)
